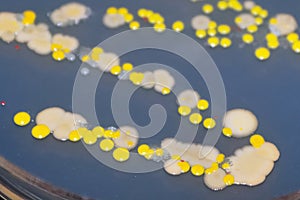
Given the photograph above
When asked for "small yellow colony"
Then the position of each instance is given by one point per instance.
(116, 70)
(292, 37)
(136, 77)
(178, 26)
(202, 104)
(142, 149)
(195, 118)
(197, 170)
(228, 179)
(94, 55)
(106, 145)
(40, 131)
(262, 53)
(184, 166)
(227, 132)
(74, 136)
(207, 8)
(22, 118)
(222, 5)
(200, 33)
(89, 138)
(121, 154)
(58, 55)
(184, 110)
(247, 38)
(252, 28)
(69, 14)
(257, 140)
(212, 24)
(28, 17)
(127, 66)
(225, 42)
(134, 25)
(259, 21)
(213, 41)
(159, 27)
(296, 47)
(211, 32)
(209, 123)
(224, 29)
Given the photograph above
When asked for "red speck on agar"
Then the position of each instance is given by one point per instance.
(3, 103)
(17, 47)
(215, 117)
(145, 19)
(181, 160)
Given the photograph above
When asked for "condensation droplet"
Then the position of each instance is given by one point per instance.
(70, 56)
(92, 63)
(84, 71)
(19, 17)
(274, 30)
(112, 128)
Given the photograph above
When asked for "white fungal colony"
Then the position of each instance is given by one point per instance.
(163, 79)
(159, 79)
(148, 81)
(171, 167)
(37, 37)
(250, 165)
(113, 20)
(107, 61)
(245, 20)
(9, 26)
(248, 5)
(60, 122)
(69, 14)
(215, 180)
(188, 98)
(128, 137)
(66, 42)
(284, 24)
(242, 122)
(200, 22)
